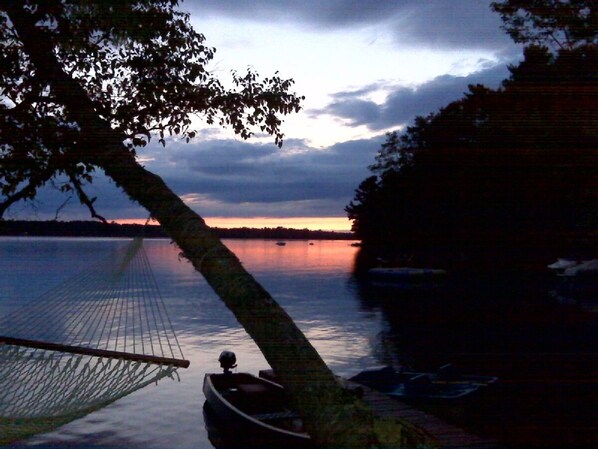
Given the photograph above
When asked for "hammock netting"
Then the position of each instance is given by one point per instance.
(42, 390)
(84, 344)
(114, 306)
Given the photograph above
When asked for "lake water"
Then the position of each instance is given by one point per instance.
(544, 349)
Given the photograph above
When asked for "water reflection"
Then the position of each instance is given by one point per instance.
(322, 258)
(301, 256)
(544, 353)
(310, 281)
(491, 319)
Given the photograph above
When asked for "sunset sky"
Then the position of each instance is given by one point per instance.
(365, 68)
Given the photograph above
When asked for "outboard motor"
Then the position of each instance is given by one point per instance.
(228, 361)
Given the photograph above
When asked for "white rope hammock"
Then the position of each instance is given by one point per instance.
(113, 309)
(84, 344)
(42, 390)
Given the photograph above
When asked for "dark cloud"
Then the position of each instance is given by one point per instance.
(239, 172)
(404, 103)
(431, 23)
(329, 13)
(225, 158)
(450, 24)
(232, 178)
(358, 111)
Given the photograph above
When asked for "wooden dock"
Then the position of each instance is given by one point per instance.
(424, 428)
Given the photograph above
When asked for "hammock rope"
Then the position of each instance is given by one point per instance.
(112, 309)
(42, 390)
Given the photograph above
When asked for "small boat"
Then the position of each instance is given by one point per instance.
(254, 406)
(444, 384)
(561, 265)
(579, 281)
(407, 278)
(588, 268)
(281, 243)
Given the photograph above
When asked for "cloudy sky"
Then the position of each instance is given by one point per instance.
(365, 68)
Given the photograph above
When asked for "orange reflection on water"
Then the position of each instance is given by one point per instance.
(298, 256)
(307, 278)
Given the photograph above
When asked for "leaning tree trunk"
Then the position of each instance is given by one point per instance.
(333, 419)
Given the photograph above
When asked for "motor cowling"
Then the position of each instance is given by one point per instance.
(228, 361)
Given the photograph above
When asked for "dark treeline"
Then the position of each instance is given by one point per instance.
(500, 179)
(280, 233)
(55, 228)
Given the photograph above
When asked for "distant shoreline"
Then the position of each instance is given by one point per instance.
(51, 228)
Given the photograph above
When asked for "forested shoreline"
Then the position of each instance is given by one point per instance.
(501, 179)
(53, 228)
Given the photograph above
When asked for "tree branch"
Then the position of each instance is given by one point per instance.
(85, 200)
(62, 206)
(26, 192)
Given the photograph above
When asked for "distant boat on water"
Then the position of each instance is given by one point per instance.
(281, 243)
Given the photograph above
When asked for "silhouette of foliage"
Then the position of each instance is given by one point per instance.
(118, 51)
(500, 175)
(555, 24)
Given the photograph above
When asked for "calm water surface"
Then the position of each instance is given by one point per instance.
(544, 350)
(312, 282)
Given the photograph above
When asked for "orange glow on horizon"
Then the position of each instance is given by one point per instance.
(340, 224)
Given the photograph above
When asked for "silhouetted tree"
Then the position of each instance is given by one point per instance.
(556, 24)
(500, 175)
(85, 83)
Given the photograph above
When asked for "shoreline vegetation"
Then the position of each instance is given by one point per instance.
(502, 180)
(53, 228)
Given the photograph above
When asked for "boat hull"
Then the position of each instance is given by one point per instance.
(255, 410)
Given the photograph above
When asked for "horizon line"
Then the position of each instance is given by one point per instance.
(329, 223)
